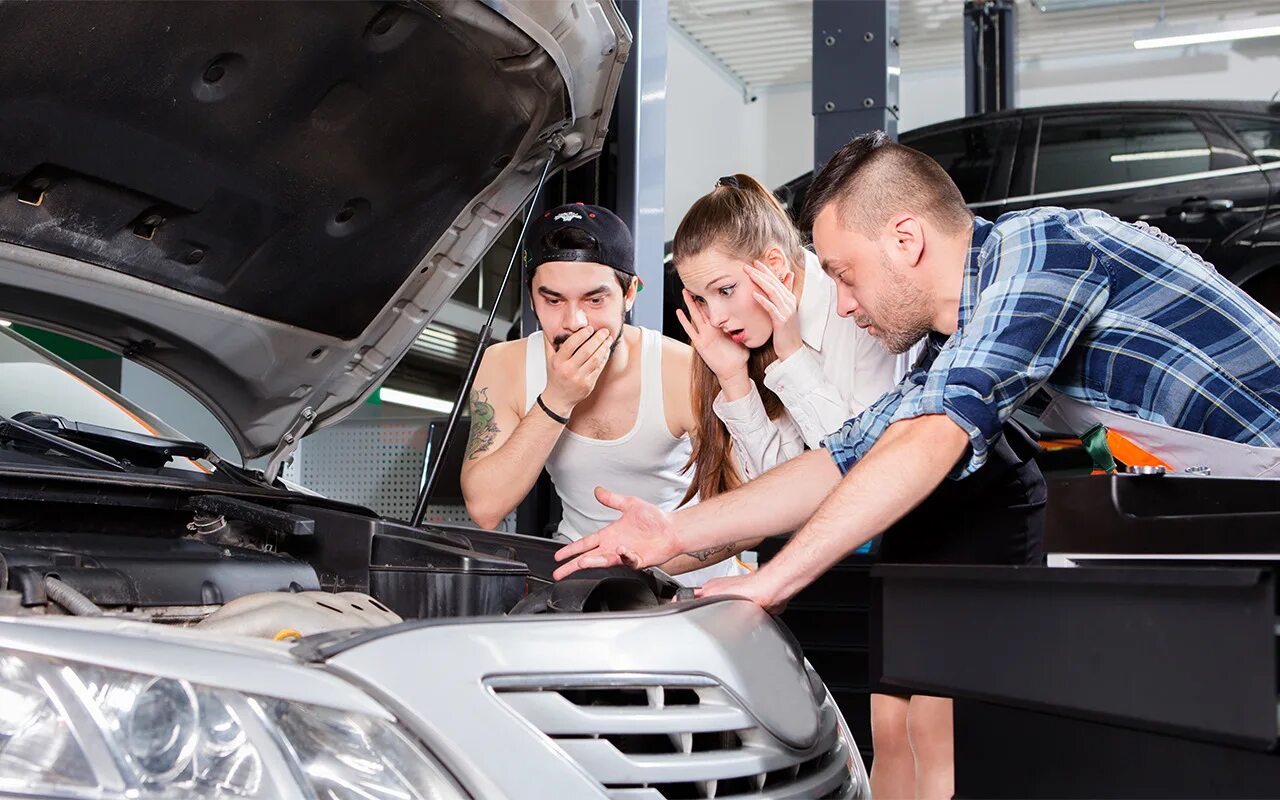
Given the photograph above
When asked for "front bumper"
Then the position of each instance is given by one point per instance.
(705, 699)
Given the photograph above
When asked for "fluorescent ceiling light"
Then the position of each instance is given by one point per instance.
(1227, 31)
(1049, 6)
(399, 398)
(1159, 155)
(6, 323)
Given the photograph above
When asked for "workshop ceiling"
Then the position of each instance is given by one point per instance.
(765, 43)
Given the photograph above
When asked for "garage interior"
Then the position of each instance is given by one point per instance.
(762, 87)
(1025, 103)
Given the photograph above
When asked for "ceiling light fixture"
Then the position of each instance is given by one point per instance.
(1226, 31)
(399, 398)
(1050, 6)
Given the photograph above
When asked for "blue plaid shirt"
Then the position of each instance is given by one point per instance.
(1117, 315)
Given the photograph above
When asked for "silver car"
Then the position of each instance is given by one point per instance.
(267, 202)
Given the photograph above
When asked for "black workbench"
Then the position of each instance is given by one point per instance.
(1148, 669)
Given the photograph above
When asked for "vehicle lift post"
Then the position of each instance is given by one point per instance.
(989, 56)
(855, 73)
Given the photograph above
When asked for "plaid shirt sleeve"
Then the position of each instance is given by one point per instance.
(1045, 288)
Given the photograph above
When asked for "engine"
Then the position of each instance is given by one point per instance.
(243, 568)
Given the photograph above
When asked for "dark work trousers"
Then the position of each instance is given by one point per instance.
(995, 516)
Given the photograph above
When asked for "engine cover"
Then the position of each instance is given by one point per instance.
(280, 615)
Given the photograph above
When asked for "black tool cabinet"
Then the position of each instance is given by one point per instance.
(1148, 669)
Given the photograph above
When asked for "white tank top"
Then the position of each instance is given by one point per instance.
(645, 462)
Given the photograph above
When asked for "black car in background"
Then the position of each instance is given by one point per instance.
(1207, 173)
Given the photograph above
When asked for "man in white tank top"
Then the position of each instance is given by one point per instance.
(595, 401)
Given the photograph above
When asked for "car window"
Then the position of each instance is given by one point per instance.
(1100, 149)
(969, 154)
(1260, 134)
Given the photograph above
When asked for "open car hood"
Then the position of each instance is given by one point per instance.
(268, 201)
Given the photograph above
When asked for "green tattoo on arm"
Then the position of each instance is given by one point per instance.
(483, 429)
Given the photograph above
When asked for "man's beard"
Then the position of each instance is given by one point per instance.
(903, 318)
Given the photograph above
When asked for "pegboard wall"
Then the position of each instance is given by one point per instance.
(376, 464)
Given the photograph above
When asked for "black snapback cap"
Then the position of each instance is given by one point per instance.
(614, 247)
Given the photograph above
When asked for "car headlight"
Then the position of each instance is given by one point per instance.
(72, 730)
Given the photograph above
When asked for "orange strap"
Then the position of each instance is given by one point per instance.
(1129, 454)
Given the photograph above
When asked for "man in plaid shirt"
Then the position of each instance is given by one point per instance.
(1115, 315)
(1075, 315)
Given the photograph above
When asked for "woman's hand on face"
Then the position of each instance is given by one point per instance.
(779, 300)
(723, 356)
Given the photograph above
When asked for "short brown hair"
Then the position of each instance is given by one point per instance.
(872, 178)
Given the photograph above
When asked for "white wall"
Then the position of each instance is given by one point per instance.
(1248, 70)
(788, 133)
(1239, 71)
(929, 96)
(711, 132)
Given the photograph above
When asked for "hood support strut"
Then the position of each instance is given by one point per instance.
(428, 487)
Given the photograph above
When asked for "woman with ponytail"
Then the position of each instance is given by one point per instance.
(777, 369)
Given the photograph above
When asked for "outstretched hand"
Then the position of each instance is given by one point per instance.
(644, 536)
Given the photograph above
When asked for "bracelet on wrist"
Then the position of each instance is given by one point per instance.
(550, 413)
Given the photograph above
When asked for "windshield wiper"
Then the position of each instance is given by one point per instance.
(15, 431)
(140, 449)
(136, 448)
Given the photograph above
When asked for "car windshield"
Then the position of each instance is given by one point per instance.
(33, 379)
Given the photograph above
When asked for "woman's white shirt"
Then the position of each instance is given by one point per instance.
(839, 371)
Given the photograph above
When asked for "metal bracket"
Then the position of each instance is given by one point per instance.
(289, 443)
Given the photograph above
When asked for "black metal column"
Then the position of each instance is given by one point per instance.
(989, 57)
(855, 72)
(855, 91)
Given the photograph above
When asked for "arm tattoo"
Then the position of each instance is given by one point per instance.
(706, 555)
(483, 429)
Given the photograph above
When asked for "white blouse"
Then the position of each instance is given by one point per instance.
(839, 371)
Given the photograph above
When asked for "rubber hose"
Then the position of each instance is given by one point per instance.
(65, 595)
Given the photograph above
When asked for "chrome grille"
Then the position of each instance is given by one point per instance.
(675, 737)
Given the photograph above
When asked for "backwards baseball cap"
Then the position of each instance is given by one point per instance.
(613, 244)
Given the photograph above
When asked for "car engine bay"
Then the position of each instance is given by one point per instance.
(276, 569)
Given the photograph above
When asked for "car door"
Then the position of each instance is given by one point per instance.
(977, 154)
(1235, 205)
(1153, 166)
(1258, 136)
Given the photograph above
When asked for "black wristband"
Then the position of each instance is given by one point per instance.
(552, 414)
